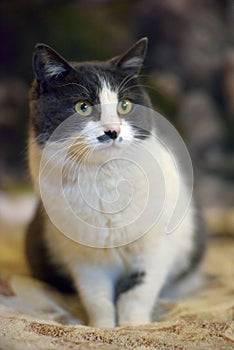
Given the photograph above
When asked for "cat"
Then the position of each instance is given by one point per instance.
(120, 283)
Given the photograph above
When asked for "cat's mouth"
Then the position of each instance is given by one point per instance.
(111, 143)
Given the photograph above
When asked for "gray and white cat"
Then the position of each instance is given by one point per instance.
(117, 285)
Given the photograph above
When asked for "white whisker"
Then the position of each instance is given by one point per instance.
(76, 84)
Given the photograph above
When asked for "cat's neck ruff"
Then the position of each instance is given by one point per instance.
(105, 200)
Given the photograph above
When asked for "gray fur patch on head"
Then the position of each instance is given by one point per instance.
(101, 83)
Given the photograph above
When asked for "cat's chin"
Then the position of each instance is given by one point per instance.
(107, 151)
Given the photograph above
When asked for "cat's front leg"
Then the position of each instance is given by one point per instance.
(95, 288)
(134, 306)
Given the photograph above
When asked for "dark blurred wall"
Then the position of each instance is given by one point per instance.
(189, 71)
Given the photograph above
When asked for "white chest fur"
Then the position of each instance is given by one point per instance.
(112, 206)
(108, 205)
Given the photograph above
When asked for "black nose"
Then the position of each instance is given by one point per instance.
(112, 134)
(107, 136)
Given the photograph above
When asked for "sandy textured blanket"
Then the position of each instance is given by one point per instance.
(34, 316)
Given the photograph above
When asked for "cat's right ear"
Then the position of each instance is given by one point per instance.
(48, 64)
(132, 60)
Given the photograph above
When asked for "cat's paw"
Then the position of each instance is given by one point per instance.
(102, 323)
(133, 320)
(132, 315)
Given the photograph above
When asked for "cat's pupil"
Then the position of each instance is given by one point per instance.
(124, 105)
(83, 107)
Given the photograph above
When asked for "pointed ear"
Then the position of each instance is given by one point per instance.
(48, 63)
(131, 61)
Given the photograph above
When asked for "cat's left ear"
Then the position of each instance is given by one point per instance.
(131, 61)
(48, 64)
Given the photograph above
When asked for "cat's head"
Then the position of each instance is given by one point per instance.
(94, 103)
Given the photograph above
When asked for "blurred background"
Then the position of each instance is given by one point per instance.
(189, 72)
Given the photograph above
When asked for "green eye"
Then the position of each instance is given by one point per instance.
(124, 106)
(83, 108)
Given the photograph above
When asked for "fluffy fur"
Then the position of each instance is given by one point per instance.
(119, 285)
